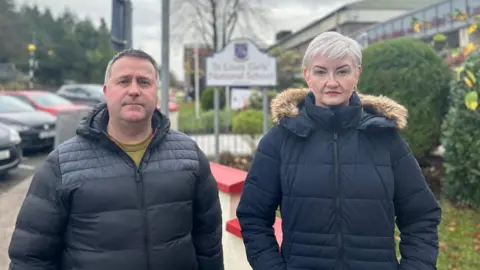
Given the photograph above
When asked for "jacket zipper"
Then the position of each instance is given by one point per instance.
(139, 180)
(338, 201)
(141, 193)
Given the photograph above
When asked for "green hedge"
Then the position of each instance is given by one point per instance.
(207, 98)
(249, 122)
(410, 72)
(461, 139)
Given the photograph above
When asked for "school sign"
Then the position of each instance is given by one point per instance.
(241, 63)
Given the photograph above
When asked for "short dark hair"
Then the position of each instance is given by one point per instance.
(130, 53)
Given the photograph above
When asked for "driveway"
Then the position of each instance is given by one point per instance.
(10, 203)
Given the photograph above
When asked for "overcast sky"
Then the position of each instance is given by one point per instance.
(285, 15)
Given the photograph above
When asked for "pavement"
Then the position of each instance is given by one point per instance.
(13, 187)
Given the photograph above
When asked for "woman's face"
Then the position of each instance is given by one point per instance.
(332, 81)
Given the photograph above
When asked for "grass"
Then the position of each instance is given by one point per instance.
(459, 234)
(459, 238)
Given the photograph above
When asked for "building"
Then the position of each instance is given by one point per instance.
(189, 65)
(346, 19)
(449, 17)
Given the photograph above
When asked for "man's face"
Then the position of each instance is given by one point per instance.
(131, 90)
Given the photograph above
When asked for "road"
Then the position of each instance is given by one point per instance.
(25, 169)
(13, 187)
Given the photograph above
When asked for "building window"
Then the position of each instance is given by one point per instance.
(398, 28)
(474, 7)
(372, 36)
(388, 28)
(459, 13)
(380, 33)
(430, 22)
(443, 13)
(407, 25)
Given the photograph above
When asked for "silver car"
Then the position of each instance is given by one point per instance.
(85, 94)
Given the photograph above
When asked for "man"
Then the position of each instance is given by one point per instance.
(125, 193)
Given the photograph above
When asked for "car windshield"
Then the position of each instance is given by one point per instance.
(13, 105)
(48, 99)
(95, 90)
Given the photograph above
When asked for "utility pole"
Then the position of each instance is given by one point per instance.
(32, 47)
(128, 14)
(122, 29)
(197, 81)
(165, 76)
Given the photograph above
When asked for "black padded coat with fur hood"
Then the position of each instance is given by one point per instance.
(342, 178)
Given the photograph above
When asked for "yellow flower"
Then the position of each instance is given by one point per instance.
(469, 49)
(472, 28)
(417, 26)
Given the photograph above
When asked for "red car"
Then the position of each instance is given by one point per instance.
(44, 101)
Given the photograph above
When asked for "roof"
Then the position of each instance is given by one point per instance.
(427, 4)
(391, 4)
(362, 4)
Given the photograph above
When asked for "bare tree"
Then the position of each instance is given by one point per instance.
(216, 22)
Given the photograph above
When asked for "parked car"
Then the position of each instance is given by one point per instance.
(44, 101)
(36, 128)
(88, 94)
(10, 151)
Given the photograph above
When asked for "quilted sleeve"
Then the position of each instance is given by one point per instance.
(417, 210)
(258, 204)
(36, 242)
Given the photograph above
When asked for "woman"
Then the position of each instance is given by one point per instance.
(341, 174)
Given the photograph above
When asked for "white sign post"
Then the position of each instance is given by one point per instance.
(240, 63)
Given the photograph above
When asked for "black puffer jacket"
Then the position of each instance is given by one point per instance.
(341, 177)
(89, 208)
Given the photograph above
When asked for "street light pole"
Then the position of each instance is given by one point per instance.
(165, 56)
(197, 81)
(31, 60)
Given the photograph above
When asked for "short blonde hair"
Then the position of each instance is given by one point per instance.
(334, 46)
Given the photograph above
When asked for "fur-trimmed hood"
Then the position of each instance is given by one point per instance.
(286, 104)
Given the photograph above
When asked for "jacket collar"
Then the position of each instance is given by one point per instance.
(289, 108)
(94, 126)
(334, 118)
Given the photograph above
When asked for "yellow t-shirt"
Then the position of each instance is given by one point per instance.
(135, 151)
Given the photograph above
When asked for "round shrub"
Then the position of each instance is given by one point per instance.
(207, 98)
(410, 72)
(461, 139)
(208, 121)
(248, 122)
